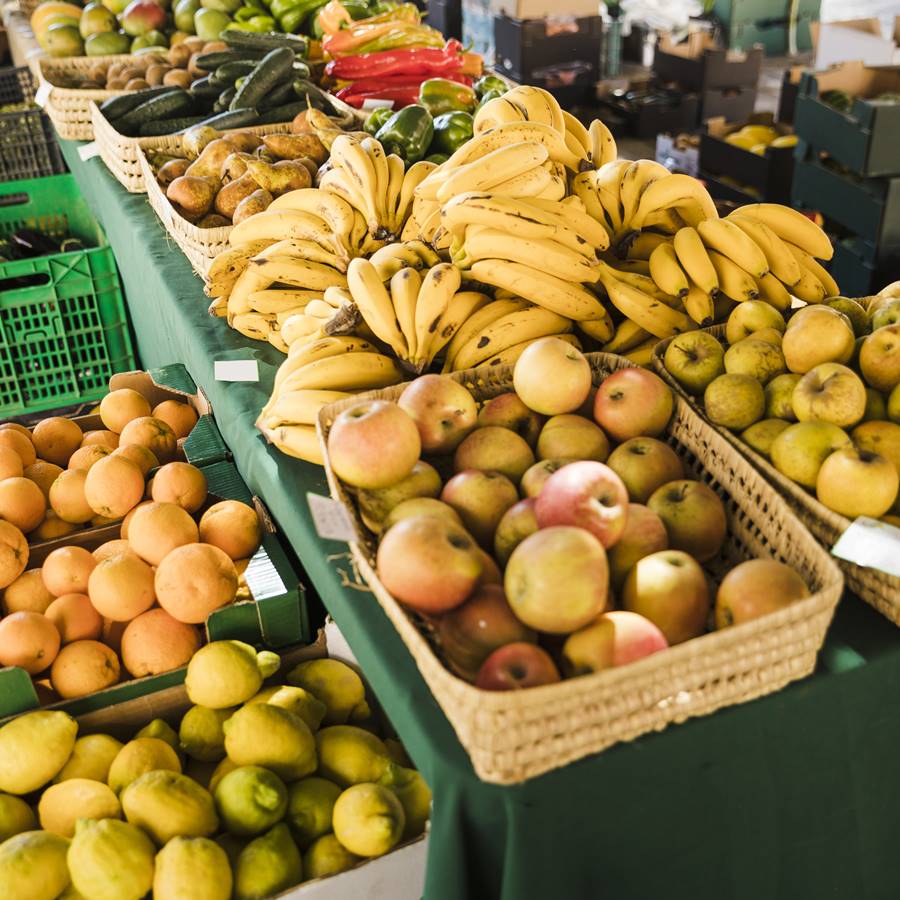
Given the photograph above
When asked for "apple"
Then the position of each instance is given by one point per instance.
(893, 404)
(751, 316)
(694, 359)
(516, 666)
(693, 515)
(518, 523)
(480, 499)
(615, 639)
(854, 311)
(770, 336)
(494, 449)
(633, 402)
(373, 444)
(471, 632)
(374, 505)
(799, 451)
(755, 357)
(428, 564)
(533, 480)
(876, 407)
(557, 579)
(552, 377)
(490, 572)
(572, 437)
(443, 410)
(735, 401)
(830, 393)
(761, 435)
(588, 495)
(856, 482)
(889, 314)
(754, 588)
(779, 394)
(879, 358)
(643, 464)
(669, 588)
(644, 534)
(421, 506)
(508, 411)
(817, 334)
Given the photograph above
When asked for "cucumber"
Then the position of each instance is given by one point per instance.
(118, 106)
(166, 106)
(278, 96)
(268, 40)
(301, 69)
(230, 72)
(223, 101)
(285, 113)
(168, 126)
(209, 62)
(233, 118)
(272, 69)
(203, 87)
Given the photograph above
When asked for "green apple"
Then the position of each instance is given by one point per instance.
(695, 359)
(780, 396)
(755, 357)
(750, 316)
(735, 401)
(761, 435)
(799, 451)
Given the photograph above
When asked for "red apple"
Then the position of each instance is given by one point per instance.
(693, 515)
(644, 534)
(443, 410)
(615, 639)
(373, 444)
(516, 666)
(588, 495)
(552, 377)
(490, 571)
(518, 523)
(535, 478)
(557, 580)
(494, 449)
(428, 563)
(669, 588)
(644, 464)
(757, 587)
(471, 632)
(480, 499)
(508, 411)
(633, 402)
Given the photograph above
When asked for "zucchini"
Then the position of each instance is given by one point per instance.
(233, 118)
(166, 106)
(168, 126)
(271, 70)
(209, 62)
(267, 40)
(285, 113)
(118, 106)
(301, 69)
(278, 96)
(230, 72)
(203, 87)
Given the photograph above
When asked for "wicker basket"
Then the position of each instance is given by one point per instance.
(512, 736)
(878, 589)
(27, 7)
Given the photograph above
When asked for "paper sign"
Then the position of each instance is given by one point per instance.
(331, 520)
(374, 103)
(872, 544)
(43, 94)
(236, 370)
(88, 151)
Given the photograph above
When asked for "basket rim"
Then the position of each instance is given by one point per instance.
(46, 63)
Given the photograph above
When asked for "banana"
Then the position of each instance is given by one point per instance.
(601, 330)
(299, 441)
(608, 181)
(391, 258)
(579, 132)
(525, 325)
(637, 177)
(428, 257)
(297, 272)
(396, 174)
(303, 353)
(666, 271)
(699, 306)
(586, 192)
(438, 287)
(817, 269)
(375, 152)
(532, 183)
(227, 267)
(574, 220)
(514, 217)
(319, 309)
(729, 240)
(779, 259)
(277, 341)
(603, 144)
(338, 182)
(462, 306)
(332, 209)
(510, 355)
(308, 250)
(734, 282)
(272, 302)
(414, 176)
(218, 309)
(281, 225)
(375, 306)
(479, 320)
(642, 355)
(562, 297)
(347, 372)
(299, 407)
(808, 288)
(790, 225)
(360, 232)
(633, 266)
(653, 316)
(252, 325)
(646, 285)
(694, 259)
(249, 281)
(665, 221)
(627, 336)
(537, 105)
(349, 155)
(680, 192)
(774, 292)
(496, 167)
(300, 327)
(405, 286)
(643, 244)
(431, 225)
(336, 297)
(495, 112)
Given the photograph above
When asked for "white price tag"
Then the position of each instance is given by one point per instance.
(374, 103)
(236, 370)
(88, 151)
(332, 521)
(43, 94)
(872, 544)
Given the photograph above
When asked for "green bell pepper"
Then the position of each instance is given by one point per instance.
(438, 95)
(486, 98)
(376, 119)
(451, 131)
(245, 13)
(407, 133)
(437, 158)
(490, 83)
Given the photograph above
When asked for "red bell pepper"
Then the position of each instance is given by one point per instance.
(402, 96)
(426, 61)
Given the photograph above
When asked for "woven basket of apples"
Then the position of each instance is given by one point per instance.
(572, 555)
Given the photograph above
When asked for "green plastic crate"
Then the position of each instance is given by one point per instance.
(62, 337)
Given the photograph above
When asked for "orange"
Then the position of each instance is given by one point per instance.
(22, 503)
(100, 438)
(111, 548)
(19, 442)
(67, 569)
(194, 580)
(67, 498)
(56, 439)
(85, 457)
(152, 433)
(157, 529)
(118, 408)
(154, 642)
(10, 463)
(28, 640)
(180, 417)
(75, 618)
(232, 526)
(15, 426)
(121, 587)
(84, 667)
(141, 456)
(113, 486)
(126, 522)
(180, 483)
(43, 474)
(13, 553)
(27, 593)
(52, 528)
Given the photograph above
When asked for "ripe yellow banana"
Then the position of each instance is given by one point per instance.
(281, 225)
(574, 220)
(642, 355)
(299, 441)
(375, 152)
(332, 209)
(218, 309)
(677, 191)
(347, 372)
(248, 282)
(537, 105)
(405, 286)
(301, 354)
(650, 314)
(726, 238)
(644, 244)
(277, 341)
(510, 355)
(338, 181)
(603, 144)
(348, 154)
(774, 292)
(528, 184)
(515, 217)
(636, 178)
(438, 287)
(495, 112)
(627, 336)
(815, 268)
(790, 225)
(297, 272)
(645, 284)
(298, 407)
(375, 306)
(300, 249)
(808, 288)
(695, 260)
(301, 327)
(608, 181)
(396, 175)
(462, 306)
(779, 259)
(666, 271)
(426, 254)
(699, 306)
(601, 329)
(391, 258)
(578, 132)
(276, 301)
(227, 267)
(478, 321)
(734, 282)
(414, 176)
(496, 167)
(253, 325)
(665, 221)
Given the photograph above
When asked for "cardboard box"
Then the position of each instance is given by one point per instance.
(698, 64)
(545, 9)
(855, 39)
(866, 138)
(731, 104)
(679, 154)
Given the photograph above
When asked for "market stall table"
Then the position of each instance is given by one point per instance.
(793, 796)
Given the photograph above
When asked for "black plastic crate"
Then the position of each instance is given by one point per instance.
(733, 104)
(647, 120)
(854, 272)
(711, 68)
(446, 17)
(16, 85)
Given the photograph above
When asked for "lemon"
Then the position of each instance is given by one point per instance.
(62, 804)
(738, 139)
(192, 869)
(139, 756)
(15, 817)
(328, 856)
(336, 685)
(161, 729)
(267, 865)
(296, 700)
(227, 673)
(310, 804)
(251, 800)
(759, 149)
(350, 755)
(761, 134)
(269, 736)
(368, 819)
(168, 804)
(91, 758)
(111, 860)
(220, 771)
(785, 140)
(414, 795)
(201, 734)
(33, 748)
(33, 866)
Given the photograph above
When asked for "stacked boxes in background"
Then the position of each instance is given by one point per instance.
(848, 168)
(748, 22)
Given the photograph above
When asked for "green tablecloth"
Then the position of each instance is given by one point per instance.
(794, 796)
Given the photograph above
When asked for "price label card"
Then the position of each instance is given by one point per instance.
(88, 151)
(374, 103)
(43, 94)
(236, 370)
(872, 544)
(331, 520)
